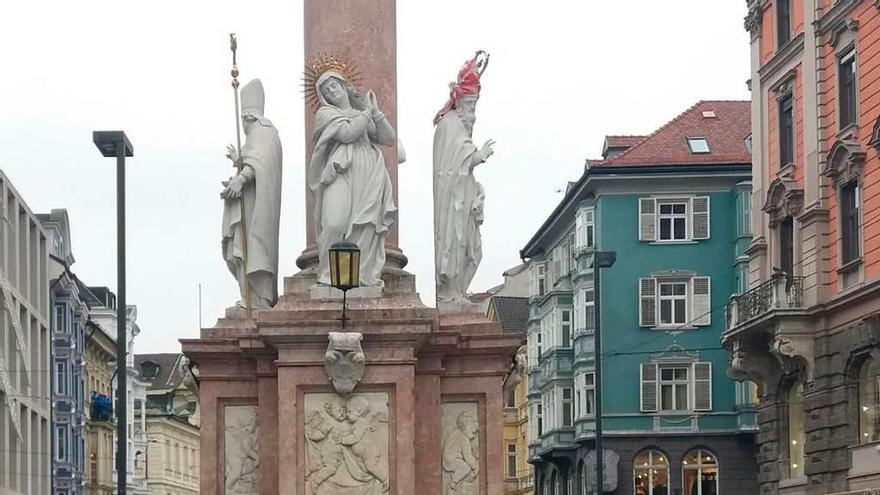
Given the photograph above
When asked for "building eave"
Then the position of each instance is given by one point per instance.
(535, 245)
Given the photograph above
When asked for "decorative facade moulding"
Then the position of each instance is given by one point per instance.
(786, 56)
(836, 14)
(752, 20)
(875, 134)
(845, 162)
(844, 30)
(756, 366)
(785, 198)
(795, 355)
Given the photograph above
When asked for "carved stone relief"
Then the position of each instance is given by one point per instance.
(461, 448)
(240, 453)
(346, 444)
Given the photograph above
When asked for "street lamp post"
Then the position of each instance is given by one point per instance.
(601, 259)
(116, 144)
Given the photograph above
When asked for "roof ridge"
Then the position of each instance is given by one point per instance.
(656, 131)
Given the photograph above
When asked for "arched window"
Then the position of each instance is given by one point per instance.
(651, 473)
(796, 437)
(699, 473)
(581, 478)
(869, 401)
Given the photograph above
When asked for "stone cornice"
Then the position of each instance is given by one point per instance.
(812, 214)
(783, 56)
(835, 15)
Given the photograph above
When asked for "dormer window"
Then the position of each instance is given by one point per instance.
(698, 145)
(149, 370)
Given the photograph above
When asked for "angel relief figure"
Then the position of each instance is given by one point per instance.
(347, 449)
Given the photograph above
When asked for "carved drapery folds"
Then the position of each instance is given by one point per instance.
(785, 198)
(845, 162)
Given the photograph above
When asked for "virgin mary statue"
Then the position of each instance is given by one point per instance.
(347, 175)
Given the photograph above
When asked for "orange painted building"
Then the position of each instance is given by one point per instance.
(808, 330)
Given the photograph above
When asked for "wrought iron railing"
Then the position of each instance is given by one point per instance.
(780, 292)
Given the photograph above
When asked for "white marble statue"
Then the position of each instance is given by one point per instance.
(458, 197)
(258, 185)
(346, 444)
(347, 175)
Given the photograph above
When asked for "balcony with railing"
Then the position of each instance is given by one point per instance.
(781, 292)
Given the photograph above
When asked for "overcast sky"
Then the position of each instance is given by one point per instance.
(563, 74)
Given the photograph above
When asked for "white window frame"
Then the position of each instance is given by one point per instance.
(565, 326)
(674, 384)
(698, 301)
(671, 299)
(511, 456)
(61, 377)
(567, 405)
(696, 212)
(672, 217)
(538, 278)
(590, 395)
(585, 227)
(698, 382)
(61, 443)
(701, 465)
(510, 393)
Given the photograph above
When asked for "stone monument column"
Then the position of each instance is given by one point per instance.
(366, 33)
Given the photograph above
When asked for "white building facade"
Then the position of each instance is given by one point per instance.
(25, 415)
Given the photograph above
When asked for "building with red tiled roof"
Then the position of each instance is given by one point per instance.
(723, 125)
(674, 208)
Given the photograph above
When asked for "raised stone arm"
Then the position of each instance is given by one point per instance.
(350, 130)
(383, 133)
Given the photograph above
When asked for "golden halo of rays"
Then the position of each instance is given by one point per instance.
(322, 63)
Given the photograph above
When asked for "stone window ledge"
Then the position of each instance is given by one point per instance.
(849, 132)
(850, 266)
(791, 482)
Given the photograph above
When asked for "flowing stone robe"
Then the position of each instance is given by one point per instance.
(353, 193)
(458, 209)
(262, 208)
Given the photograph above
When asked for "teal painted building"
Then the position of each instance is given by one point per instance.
(674, 206)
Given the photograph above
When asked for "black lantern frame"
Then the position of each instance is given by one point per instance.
(345, 269)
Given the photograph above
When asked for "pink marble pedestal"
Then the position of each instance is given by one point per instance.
(425, 363)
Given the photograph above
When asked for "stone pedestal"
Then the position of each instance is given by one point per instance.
(431, 385)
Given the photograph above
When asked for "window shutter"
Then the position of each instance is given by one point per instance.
(703, 386)
(647, 302)
(647, 220)
(579, 226)
(649, 387)
(589, 228)
(700, 217)
(701, 312)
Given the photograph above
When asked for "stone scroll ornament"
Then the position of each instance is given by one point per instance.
(344, 360)
(346, 174)
(458, 197)
(242, 464)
